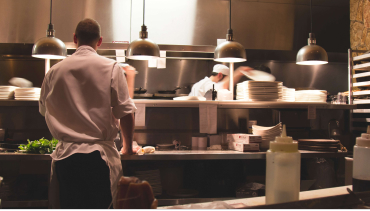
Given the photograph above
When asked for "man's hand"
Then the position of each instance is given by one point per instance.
(130, 71)
(125, 151)
(239, 70)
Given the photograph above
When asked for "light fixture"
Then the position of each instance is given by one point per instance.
(143, 48)
(49, 47)
(312, 54)
(230, 51)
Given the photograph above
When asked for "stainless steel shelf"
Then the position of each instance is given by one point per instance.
(361, 101)
(243, 104)
(362, 57)
(365, 83)
(360, 75)
(184, 155)
(171, 48)
(220, 104)
(220, 155)
(359, 93)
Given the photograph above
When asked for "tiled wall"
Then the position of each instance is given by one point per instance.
(360, 25)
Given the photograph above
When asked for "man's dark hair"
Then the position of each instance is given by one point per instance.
(263, 68)
(214, 74)
(88, 32)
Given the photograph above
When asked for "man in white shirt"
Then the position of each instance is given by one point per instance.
(84, 99)
(219, 78)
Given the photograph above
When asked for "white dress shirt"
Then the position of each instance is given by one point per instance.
(82, 98)
(200, 88)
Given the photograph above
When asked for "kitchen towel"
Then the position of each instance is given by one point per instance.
(140, 115)
(208, 119)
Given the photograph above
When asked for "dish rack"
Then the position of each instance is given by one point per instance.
(359, 89)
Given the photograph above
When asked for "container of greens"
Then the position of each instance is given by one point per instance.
(41, 146)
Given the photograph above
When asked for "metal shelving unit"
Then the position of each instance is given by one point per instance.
(359, 76)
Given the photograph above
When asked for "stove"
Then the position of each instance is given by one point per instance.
(158, 96)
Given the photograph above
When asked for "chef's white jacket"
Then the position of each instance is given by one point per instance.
(200, 88)
(82, 98)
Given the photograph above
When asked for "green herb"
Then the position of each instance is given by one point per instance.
(42, 146)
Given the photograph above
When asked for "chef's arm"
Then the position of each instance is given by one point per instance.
(127, 124)
(237, 76)
(130, 77)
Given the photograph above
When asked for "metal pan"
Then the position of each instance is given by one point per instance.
(169, 91)
(140, 90)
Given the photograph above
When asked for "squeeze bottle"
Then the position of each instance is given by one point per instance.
(283, 170)
(361, 158)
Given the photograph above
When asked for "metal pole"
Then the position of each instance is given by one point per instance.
(350, 76)
(47, 65)
(231, 81)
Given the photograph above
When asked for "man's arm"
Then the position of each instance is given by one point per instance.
(130, 77)
(127, 125)
(237, 75)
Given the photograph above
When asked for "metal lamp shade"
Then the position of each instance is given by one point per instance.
(49, 48)
(230, 51)
(312, 55)
(142, 49)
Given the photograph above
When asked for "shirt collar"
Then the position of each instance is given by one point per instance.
(84, 48)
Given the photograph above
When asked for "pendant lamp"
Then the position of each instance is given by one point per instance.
(230, 51)
(143, 48)
(49, 47)
(312, 54)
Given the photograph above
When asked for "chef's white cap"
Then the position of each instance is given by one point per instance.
(220, 68)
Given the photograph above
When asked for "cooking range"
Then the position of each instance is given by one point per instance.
(141, 93)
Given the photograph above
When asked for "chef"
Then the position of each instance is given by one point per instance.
(84, 99)
(219, 78)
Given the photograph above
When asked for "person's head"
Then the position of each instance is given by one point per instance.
(88, 33)
(219, 72)
(263, 68)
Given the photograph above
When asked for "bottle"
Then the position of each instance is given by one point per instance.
(361, 157)
(283, 170)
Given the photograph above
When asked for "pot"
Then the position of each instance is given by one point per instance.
(140, 90)
(169, 91)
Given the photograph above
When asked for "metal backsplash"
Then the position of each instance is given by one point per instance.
(257, 24)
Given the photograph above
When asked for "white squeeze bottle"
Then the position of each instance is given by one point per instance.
(283, 170)
(361, 158)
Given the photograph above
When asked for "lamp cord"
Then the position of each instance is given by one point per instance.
(230, 16)
(51, 6)
(143, 12)
(311, 13)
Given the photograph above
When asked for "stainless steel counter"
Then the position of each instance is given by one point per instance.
(184, 155)
(220, 104)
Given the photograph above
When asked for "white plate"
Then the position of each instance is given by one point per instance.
(35, 99)
(26, 95)
(258, 75)
(190, 98)
(28, 89)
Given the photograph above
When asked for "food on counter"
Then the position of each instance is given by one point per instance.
(149, 149)
(135, 194)
(140, 150)
(42, 146)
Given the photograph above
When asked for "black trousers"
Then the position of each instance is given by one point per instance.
(84, 182)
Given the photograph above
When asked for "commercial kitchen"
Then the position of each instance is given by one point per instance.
(197, 162)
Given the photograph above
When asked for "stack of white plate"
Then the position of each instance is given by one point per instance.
(267, 133)
(259, 90)
(288, 94)
(7, 92)
(310, 96)
(31, 93)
